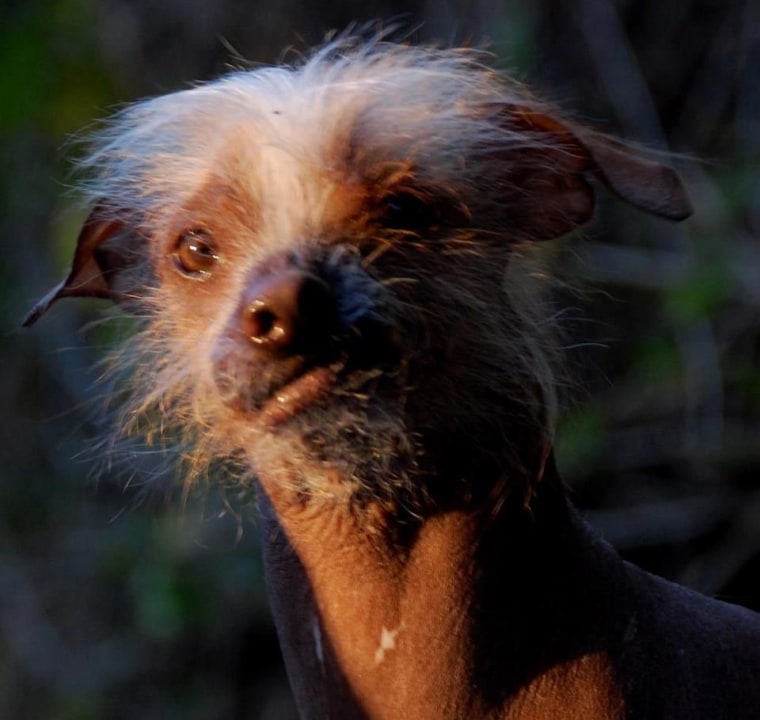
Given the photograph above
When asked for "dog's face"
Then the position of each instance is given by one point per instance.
(325, 258)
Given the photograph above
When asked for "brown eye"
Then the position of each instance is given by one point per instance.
(196, 253)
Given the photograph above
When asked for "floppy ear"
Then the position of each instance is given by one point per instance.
(106, 251)
(547, 186)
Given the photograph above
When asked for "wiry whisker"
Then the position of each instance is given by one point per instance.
(383, 246)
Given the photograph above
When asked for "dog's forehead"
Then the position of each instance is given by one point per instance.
(263, 192)
(288, 131)
(272, 126)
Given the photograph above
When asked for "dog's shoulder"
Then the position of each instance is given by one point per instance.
(687, 655)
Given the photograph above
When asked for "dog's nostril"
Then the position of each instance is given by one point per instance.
(265, 326)
(290, 312)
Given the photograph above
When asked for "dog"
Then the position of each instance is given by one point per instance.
(330, 264)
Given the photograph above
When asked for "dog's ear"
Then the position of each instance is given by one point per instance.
(547, 183)
(106, 256)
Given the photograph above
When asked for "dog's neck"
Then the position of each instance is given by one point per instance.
(489, 612)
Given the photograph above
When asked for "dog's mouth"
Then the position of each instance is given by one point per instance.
(273, 393)
(304, 390)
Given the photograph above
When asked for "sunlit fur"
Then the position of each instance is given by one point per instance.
(294, 159)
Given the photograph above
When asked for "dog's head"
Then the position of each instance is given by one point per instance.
(324, 259)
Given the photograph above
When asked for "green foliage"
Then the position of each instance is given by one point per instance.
(580, 440)
(51, 72)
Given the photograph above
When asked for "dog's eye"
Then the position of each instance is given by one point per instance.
(404, 211)
(196, 253)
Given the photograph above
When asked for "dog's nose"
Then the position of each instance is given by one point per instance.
(290, 312)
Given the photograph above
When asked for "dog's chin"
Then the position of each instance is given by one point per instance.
(350, 425)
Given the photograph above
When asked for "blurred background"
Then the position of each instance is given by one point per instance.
(118, 600)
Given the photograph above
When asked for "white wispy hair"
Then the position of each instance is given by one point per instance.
(366, 103)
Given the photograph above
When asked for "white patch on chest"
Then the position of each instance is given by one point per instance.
(387, 642)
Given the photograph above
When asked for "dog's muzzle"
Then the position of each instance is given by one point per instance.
(301, 330)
